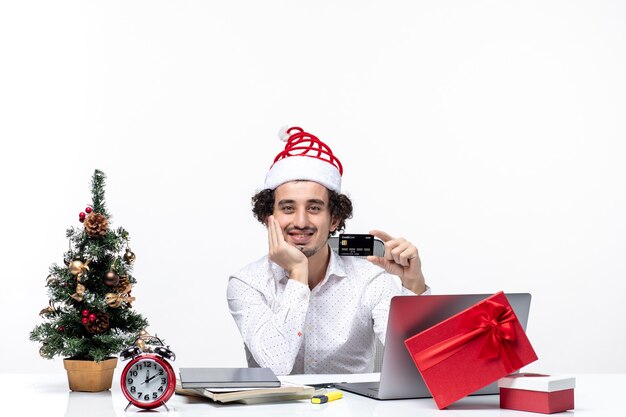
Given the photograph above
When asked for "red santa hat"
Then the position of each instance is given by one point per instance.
(305, 157)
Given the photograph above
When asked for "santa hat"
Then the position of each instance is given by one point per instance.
(305, 157)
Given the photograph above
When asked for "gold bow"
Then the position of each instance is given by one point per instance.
(115, 300)
(48, 310)
(80, 292)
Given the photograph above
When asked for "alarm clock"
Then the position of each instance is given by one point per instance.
(148, 380)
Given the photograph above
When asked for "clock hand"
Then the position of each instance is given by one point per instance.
(149, 379)
(152, 377)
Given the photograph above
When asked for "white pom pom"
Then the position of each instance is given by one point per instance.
(282, 133)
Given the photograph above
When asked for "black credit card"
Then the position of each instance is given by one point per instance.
(356, 245)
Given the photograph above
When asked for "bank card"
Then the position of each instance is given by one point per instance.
(356, 245)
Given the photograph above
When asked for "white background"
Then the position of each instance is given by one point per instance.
(489, 133)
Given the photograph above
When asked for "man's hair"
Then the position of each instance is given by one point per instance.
(339, 205)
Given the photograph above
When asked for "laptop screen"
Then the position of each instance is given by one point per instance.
(409, 315)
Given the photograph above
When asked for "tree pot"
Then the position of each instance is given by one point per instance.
(90, 376)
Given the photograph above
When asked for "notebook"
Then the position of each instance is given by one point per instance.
(228, 378)
(409, 315)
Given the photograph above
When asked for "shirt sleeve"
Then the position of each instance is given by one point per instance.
(272, 333)
(379, 293)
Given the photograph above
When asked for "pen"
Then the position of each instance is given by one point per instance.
(325, 385)
(329, 396)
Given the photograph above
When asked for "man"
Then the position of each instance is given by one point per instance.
(302, 308)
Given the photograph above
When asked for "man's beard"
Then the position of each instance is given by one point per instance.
(308, 252)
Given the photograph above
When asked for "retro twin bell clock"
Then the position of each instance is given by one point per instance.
(148, 380)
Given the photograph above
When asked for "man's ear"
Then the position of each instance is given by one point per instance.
(334, 223)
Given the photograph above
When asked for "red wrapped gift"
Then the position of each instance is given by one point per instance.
(537, 393)
(470, 350)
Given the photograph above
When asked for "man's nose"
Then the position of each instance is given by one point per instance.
(300, 218)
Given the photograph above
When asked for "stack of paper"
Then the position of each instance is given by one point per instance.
(245, 385)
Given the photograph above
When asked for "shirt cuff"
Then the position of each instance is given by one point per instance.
(406, 291)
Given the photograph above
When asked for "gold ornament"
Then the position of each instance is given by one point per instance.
(50, 279)
(80, 292)
(78, 267)
(124, 286)
(141, 345)
(113, 300)
(129, 256)
(48, 310)
(43, 353)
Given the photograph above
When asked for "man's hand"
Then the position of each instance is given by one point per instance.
(401, 259)
(290, 258)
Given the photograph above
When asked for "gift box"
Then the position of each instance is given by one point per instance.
(538, 393)
(470, 350)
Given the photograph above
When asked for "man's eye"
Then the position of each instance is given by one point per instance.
(287, 208)
(315, 208)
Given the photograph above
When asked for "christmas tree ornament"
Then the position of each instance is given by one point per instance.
(99, 324)
(85, 313)
(61, 329)
(50, 279)
(88, 209)
(113, 300)
(96, 225)
(81, 216)
(43, 351)
(80, 292)
(150, 373)
(129, 256)
(141, 344)
(48, 310)
(78, 267)
(84, 320)
(124, 286)
(111, 279)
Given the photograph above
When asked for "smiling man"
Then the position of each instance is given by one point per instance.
(302, 308)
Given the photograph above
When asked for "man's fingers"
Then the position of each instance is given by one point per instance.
(376, 260)
(381, 235)
(403, 252)
(272, 233)
(278, 233)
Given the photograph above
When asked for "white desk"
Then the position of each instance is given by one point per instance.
(48, 395)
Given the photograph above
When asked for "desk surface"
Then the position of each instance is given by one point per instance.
(48, 395)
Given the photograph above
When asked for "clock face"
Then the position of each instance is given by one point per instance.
(148, 381)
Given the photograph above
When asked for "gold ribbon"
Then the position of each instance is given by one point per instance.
(115, 300)
(48, 310)
(80, 292)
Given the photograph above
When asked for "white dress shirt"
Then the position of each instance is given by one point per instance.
(330, 329)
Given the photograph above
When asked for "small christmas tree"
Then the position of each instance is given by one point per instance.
(90, 315)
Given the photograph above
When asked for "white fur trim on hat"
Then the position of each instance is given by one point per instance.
(303, 168)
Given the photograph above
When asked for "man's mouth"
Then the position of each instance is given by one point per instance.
(300, 237)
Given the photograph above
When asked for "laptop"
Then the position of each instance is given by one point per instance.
(409, 315)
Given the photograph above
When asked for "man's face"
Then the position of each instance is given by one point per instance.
(301, 208)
